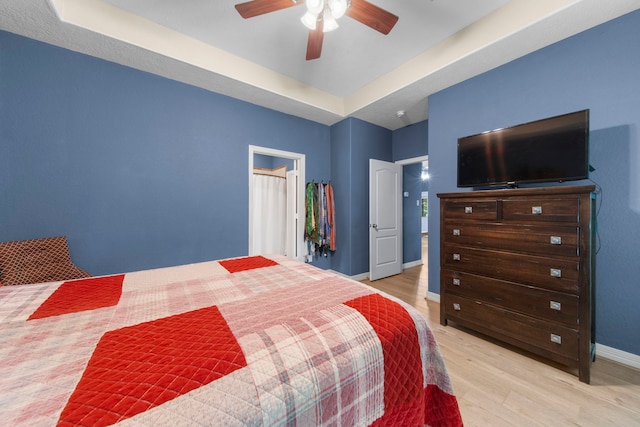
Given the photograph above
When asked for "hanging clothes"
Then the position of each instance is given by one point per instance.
(320, 232)
(321, 215)
(331, 217)
(310, 230)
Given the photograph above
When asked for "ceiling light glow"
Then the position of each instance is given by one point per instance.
(309, 20)
(327, 10)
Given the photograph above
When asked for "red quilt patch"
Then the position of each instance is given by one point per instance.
(442, 408)
(246, 263)
(81, 295)
(403, 391)
(139, 367)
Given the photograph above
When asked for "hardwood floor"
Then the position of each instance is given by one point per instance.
(497, 385)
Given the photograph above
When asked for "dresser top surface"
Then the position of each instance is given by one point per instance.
(516, 192)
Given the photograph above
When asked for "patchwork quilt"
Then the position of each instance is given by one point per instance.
(254, 341)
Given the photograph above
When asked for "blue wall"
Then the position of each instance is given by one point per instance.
(411, 141)
(353, 143)
(139, 171)
(368, 142)
(341, 182)
(599, 70)
(412, 213)
(136, 170)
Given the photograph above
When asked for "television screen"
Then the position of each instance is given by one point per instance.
(553, 149)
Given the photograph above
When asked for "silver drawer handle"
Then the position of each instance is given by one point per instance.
(555, 305)
(456, 307)
(456, 232)
(456, 282)
(456, 257)
(468, 209)
(536, 210)
(555, 272)
(556, 338)
(555, 240)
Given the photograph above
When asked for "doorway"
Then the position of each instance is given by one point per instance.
(294, 200)
(415, 226)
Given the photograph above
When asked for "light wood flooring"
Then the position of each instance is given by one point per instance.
(497, 385)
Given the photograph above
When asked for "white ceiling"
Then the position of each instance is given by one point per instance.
(352, 56)
(361, 73)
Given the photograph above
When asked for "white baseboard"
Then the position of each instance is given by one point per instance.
(363, 276)
(357, 277)
(412, 264)
(622, 357)
(433, 297)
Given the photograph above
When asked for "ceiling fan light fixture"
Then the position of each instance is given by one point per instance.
(322, 15)
(330, 22)
(315, 6)
(309, 20)
(339, 7)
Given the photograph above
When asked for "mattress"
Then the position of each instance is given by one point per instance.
(252, 341)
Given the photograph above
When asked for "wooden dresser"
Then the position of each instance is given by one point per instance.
(519, 265)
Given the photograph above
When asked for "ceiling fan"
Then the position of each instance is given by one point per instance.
(321, 16)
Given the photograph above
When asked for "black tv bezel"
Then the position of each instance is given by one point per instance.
(519, 127)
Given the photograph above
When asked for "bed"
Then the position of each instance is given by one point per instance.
(246, 341)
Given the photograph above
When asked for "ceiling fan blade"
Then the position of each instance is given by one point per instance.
(372, 16)
(314, 42)
(260, 7)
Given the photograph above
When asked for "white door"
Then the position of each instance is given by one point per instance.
(385, 219)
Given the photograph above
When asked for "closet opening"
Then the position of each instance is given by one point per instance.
(276, 202)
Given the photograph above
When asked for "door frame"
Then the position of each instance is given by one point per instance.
(413, 160)
(404, 162)
(299, 165)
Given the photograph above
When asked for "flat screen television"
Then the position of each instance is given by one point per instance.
(555, 149)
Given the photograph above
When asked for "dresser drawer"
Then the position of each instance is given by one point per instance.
(535, 302)
(545, 240)
(482, 210)
(549, 273)
(551, 210)
(486, 318)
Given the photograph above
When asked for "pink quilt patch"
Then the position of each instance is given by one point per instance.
(246, 263)
(81, 295)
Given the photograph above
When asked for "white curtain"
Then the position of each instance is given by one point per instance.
(269, 214)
